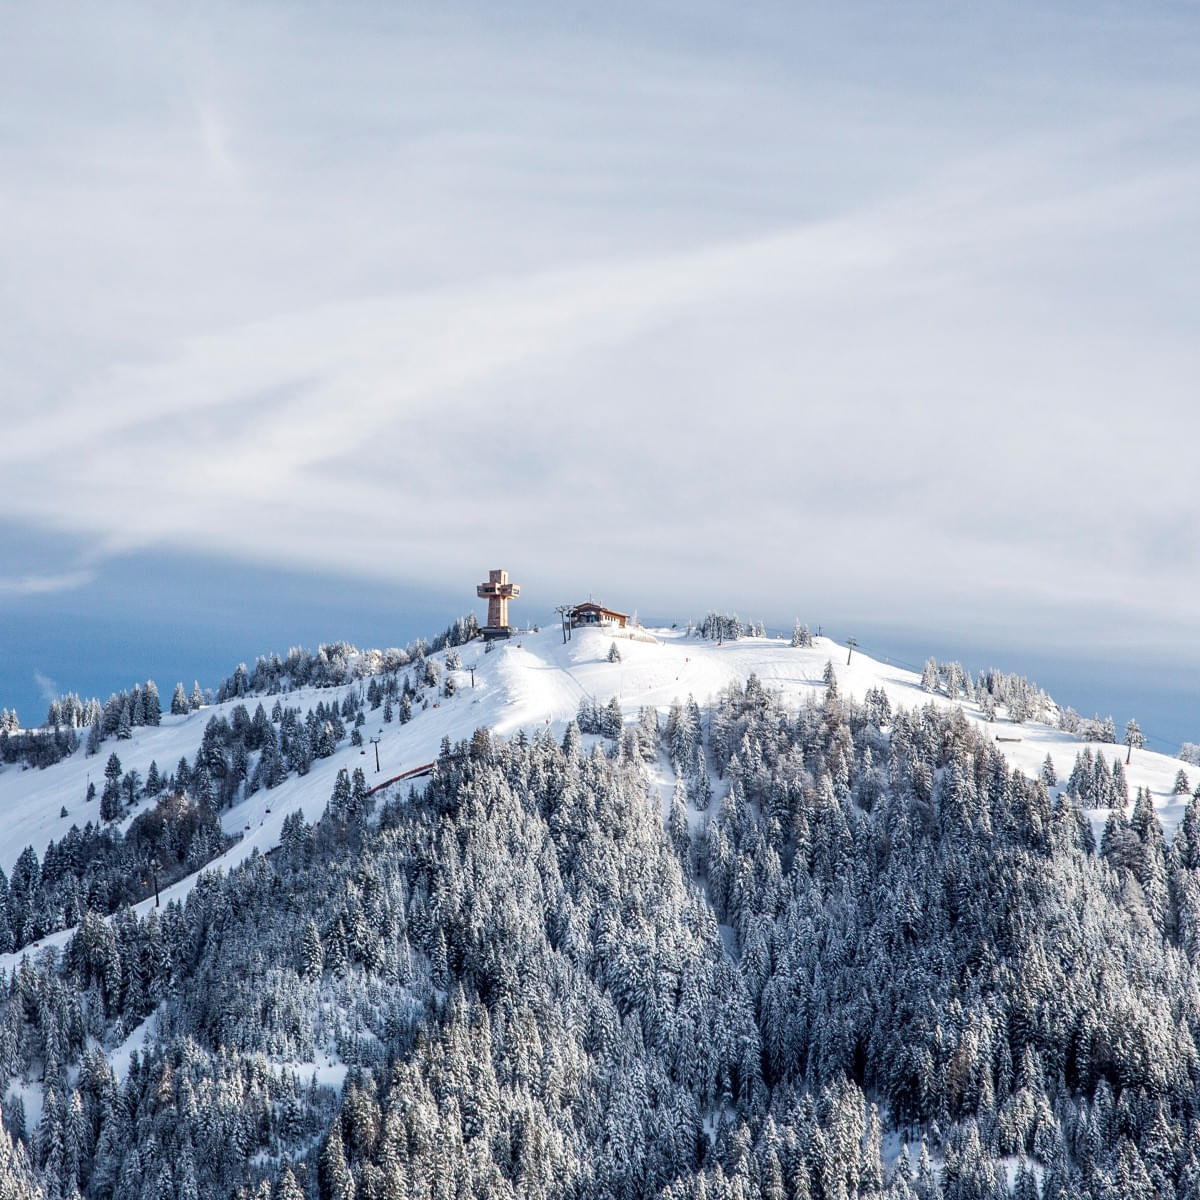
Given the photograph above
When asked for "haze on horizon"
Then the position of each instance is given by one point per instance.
(877, 313)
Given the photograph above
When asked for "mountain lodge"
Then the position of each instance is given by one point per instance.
(590, 613)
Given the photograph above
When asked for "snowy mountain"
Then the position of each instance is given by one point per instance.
(794, 905)
(536, 681)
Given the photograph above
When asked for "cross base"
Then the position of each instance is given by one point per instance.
(492, 633)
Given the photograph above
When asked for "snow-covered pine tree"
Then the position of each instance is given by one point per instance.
(801, 635)
(1049, 775)
(1134, 738)
(930, 675)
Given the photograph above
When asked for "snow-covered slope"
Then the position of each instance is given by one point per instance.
(532, 681)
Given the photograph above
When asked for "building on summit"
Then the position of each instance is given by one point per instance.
(498, 592)
(588, 614)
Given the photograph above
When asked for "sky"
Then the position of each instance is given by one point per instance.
(881, 316)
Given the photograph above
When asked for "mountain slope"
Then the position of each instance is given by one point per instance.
(533, 681)
(856, 926)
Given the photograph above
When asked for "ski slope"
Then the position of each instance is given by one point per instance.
(533, 681)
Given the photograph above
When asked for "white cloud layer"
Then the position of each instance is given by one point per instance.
(885, 315)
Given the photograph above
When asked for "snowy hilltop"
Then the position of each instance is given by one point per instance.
(637, 912)
(536, 681)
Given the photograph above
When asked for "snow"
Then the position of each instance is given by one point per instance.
(534, 680)
(1011, 1164)
(329, 1074)
(893, 1144)
(31, 799)
(544, 676)
(660, 776)
(729, 941)
(141, 1038)
(31, 1094)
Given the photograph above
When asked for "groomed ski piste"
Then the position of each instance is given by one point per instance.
(533, 681)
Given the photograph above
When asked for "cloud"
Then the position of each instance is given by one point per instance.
(42, 585)
(908, 334)
(48, 688)
(214, 138)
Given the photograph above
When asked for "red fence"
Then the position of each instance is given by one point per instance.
(412, 773)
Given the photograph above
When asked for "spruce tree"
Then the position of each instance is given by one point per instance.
(312, 956)
(1134, 738)
(110, 798)
(1049, 776)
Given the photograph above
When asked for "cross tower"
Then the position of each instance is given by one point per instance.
(498, 592)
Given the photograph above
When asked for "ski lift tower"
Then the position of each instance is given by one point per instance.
(498, 592)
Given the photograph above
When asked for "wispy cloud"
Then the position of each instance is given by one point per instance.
(214, 139)
(41, 585)
(48, 688)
